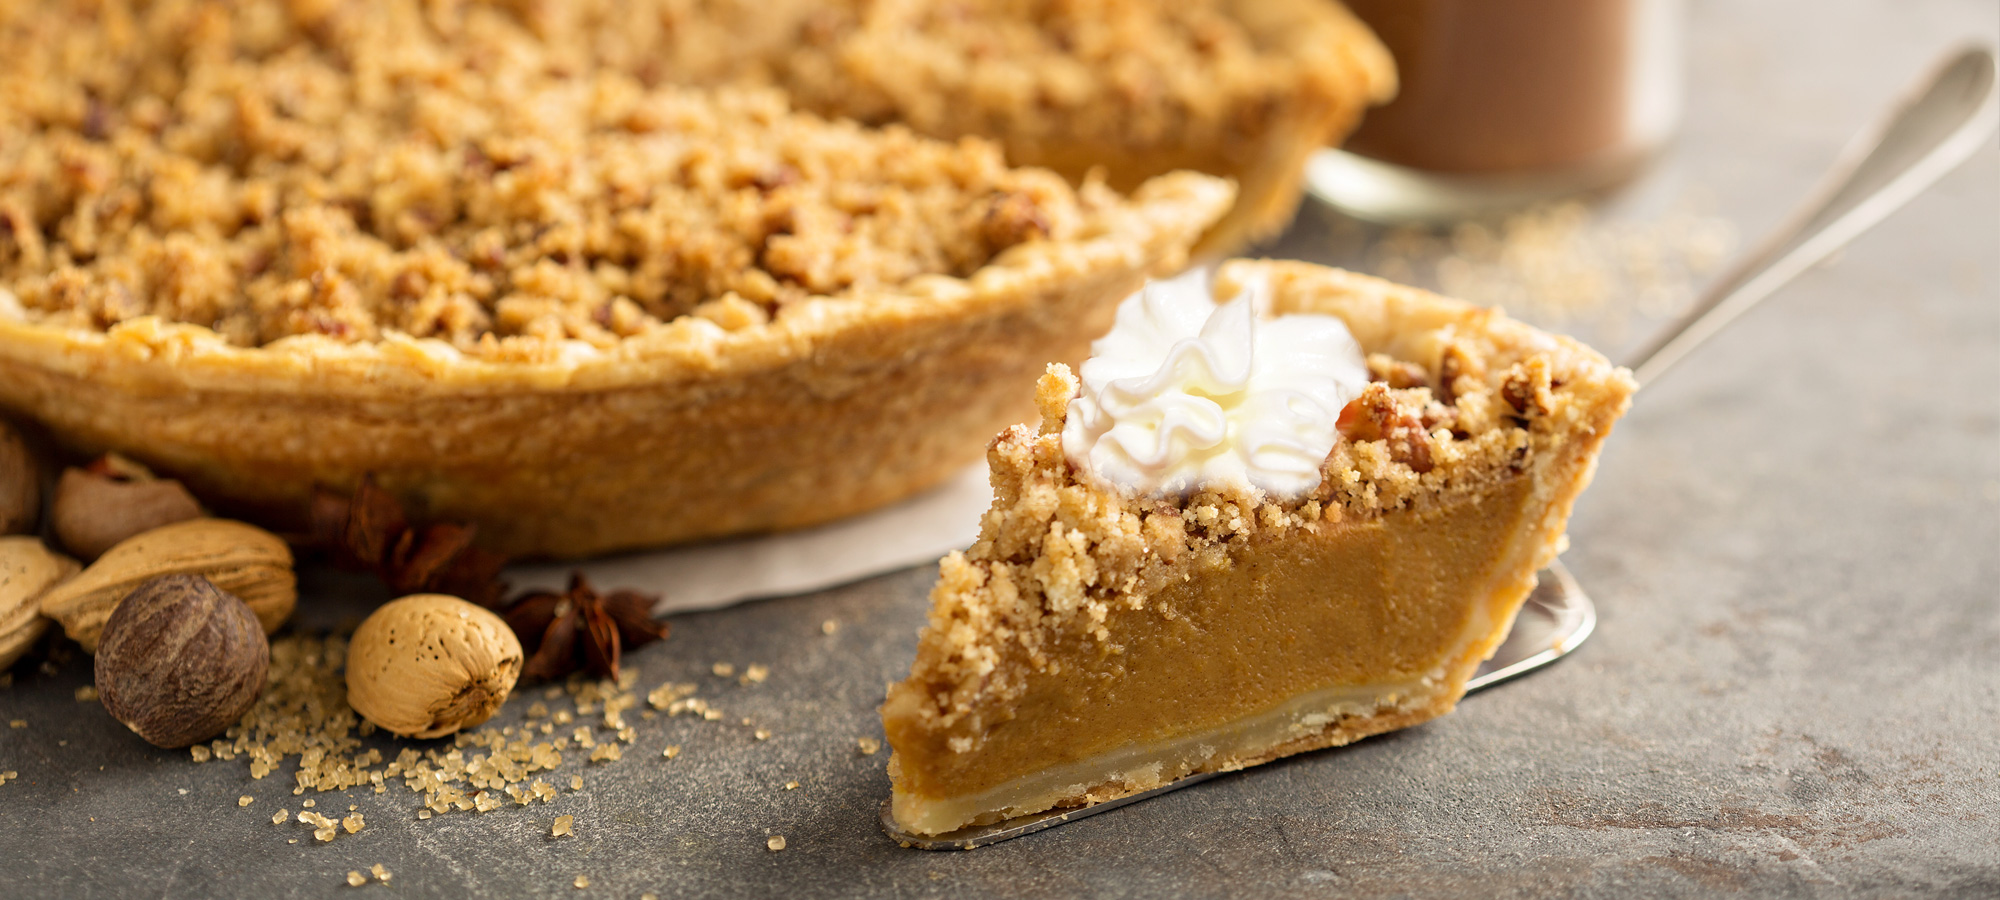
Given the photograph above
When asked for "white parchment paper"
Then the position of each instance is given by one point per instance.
(706, 576)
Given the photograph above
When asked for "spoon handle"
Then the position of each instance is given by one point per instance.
(1935, 128)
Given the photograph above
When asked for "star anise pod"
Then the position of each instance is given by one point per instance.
(580, 628)
(371, 531)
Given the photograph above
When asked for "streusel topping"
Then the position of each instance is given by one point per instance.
(270, 169)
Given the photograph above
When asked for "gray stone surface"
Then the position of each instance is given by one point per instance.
(1794, 541)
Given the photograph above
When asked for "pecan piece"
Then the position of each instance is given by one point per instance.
(1377, 415)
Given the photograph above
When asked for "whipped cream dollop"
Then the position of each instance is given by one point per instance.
(1185, 394)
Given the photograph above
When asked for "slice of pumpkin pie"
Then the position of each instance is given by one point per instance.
(1287, 521)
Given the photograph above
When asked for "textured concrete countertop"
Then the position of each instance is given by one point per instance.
(1794, 542)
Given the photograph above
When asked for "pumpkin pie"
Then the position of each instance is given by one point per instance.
(263, 246)
(1108, 633)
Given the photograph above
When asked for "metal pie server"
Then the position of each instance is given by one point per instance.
(1935, 128)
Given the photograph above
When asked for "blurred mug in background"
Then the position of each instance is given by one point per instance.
(1504, 103)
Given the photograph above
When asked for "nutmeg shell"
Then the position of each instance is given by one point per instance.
(427, 665)
(27, 570)
(20, 484)
(180, 660)
(93, 512)
(244, 560)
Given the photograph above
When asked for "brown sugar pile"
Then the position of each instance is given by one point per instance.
(303, 715)
(273, 169)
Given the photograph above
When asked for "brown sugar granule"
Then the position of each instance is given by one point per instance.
(562, 826)
(380, 872)
(581, 882)
(17, 723)
(86, 694)
(356, 879)
(868, 746)
(775, 843)
(829, 626)
(278, 818)
(245, 800)
(723, 669)
(755, 674)
(347, 172)
(672, 751)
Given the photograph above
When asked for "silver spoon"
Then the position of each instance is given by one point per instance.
(1929, 133)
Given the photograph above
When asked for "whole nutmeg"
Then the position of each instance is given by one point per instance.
(112, 499)
(27, 570)
(427, 665)
(20, 484)
(244, 560)
(181, 660)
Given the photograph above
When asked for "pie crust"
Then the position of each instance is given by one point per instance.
(263, 247)
(1245, 89)
(1094, 644)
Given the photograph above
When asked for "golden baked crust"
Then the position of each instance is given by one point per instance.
(1094, 644)
(264, 246)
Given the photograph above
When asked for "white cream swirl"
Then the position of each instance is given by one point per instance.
(1184, 393)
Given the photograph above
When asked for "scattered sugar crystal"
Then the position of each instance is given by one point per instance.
(309, 803)
(869, 745)
(245, 800)
(672, 751)
(353, 823)
(86, 694)
(582, 881)
(776, 842)
(562, 826)
(323, 835)
(829, 626)
(356, 879)
(756, 673)
(278, 818)
(576, 782)
(380, 872)
(606, 752)
(791, 785)
(762, 734)
(200, 753)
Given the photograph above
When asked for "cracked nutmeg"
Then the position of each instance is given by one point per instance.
(427, 665)
(180, 660)
(371, 531)
(582, 629)
(20, 483)
(113, 498)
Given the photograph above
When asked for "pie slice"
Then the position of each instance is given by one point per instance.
(262, 246)
(1102, 639)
